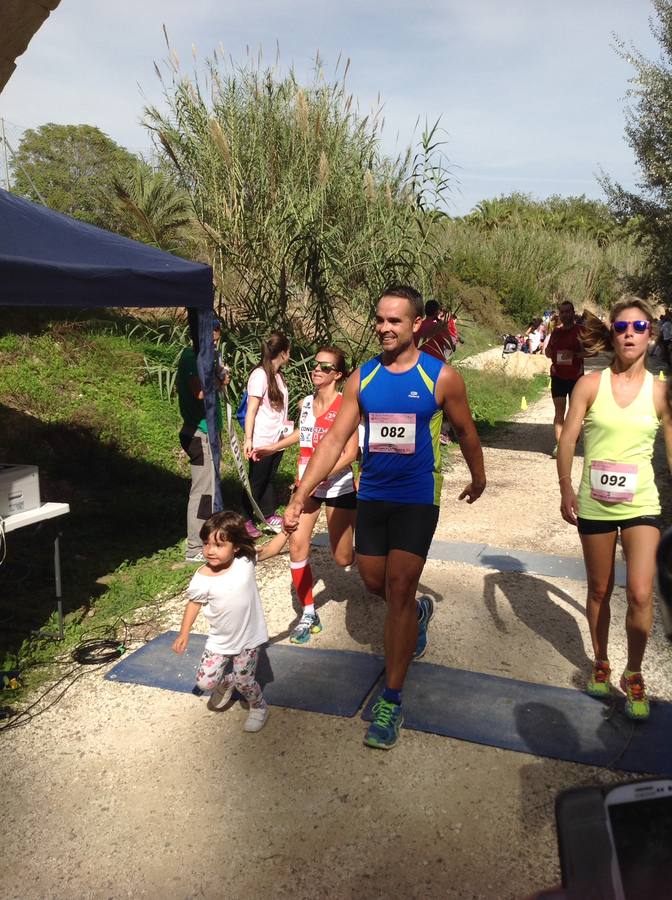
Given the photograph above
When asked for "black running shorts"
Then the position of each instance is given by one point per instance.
(383, 526)
(344, 501)
(605, 526)
(562, 387)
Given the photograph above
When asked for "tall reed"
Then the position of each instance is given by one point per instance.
(303, 217)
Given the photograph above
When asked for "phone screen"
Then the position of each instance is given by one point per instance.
(642, 835)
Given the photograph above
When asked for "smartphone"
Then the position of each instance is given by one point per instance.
(639, 824)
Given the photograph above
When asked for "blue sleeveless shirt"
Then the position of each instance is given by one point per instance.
(401, 458)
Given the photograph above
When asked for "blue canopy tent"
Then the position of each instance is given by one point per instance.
(48, 259)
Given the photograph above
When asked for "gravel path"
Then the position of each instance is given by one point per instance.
(126, 791)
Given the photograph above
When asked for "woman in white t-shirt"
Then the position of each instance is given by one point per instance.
(226, 590)
(316, 416)
(534, 336)
(265, 421)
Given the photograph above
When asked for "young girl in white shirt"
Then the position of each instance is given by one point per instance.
(226, 590)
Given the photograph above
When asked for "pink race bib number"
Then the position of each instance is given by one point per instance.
(613, 482)
(565, 357)
(391, 433)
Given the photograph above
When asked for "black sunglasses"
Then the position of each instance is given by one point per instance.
(323, 366)
(640, 326)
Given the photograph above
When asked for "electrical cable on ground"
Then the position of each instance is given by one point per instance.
(88, 655)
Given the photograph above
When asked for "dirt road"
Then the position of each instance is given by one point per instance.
(126, 791)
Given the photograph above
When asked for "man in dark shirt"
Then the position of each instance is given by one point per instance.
(434, 336)
(195, 443)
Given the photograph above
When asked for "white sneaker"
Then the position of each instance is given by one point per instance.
(195, 558)
(221, 695)
(256, 718)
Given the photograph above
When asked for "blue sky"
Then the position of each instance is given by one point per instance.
(531, 93)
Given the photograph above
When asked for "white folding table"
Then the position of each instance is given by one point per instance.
(33, 517)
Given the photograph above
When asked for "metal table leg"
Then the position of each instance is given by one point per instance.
(57, 584)
(60, 634)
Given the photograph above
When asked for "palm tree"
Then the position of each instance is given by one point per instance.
(160, 212)
(491, 214)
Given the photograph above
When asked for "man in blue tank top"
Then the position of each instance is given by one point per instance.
(401, 395)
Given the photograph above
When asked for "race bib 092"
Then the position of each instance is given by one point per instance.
(613, 482)
(391, 433)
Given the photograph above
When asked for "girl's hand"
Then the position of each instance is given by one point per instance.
(180, 643)
(569, 506)
(260, 452)
(247, 448)
(290, 520)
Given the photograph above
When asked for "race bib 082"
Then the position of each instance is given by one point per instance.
(391, 433)
(613, 482)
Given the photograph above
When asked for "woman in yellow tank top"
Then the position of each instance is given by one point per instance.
(621, 409)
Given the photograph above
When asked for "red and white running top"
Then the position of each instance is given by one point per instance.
(311, 432)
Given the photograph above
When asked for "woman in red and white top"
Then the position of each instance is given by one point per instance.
(316, 416)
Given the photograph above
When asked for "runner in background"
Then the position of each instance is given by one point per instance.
(565, 350)
(401, 394)
(452, 330)
(317, 413)
(664, 558)
(433, 336)
(666, 337)
(436, 338)
(265, 419)
(620, 409)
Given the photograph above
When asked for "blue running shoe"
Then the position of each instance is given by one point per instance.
(383, 732)
(307, 625)
(425, 607)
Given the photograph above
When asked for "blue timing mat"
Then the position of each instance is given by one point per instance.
(334, 682)
(560, 723)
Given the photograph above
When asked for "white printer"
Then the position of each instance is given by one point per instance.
(19, 489)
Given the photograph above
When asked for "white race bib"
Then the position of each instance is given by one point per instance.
(613, 482)
(287, 428)
(564, 357)
(391, 433)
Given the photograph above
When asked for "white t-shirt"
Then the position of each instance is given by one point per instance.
(232, 606)
(269, 422)
(535, 339)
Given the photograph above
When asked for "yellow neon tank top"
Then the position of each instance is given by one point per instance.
(618, 446)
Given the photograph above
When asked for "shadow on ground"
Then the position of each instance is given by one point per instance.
(542, 780)
(122, 509)
(534, 602)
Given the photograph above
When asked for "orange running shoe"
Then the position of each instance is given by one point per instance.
(598, 684)
(636, 701)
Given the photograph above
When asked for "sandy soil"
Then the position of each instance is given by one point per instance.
(516, 365)
(127, 791)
